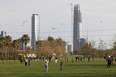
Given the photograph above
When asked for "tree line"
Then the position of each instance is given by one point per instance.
(89, 49)
(10, 49)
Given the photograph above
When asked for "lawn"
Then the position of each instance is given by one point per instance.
(96, 68)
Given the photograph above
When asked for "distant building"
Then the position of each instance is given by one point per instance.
(68, 48)
(3, 34)
(22, 44)
(34, 30)
(82, 41)
(77, 28)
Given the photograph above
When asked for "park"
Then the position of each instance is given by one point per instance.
(11, 57)
(96, 68)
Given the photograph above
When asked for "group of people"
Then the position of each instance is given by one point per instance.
(27, 62)
(46, 65)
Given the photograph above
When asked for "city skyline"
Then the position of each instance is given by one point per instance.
(98, 18)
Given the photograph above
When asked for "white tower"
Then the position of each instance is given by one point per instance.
(34, 30)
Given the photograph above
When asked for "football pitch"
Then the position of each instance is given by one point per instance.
(96, 68)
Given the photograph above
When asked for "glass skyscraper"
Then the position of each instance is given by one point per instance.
(34, 30)
(77, 27)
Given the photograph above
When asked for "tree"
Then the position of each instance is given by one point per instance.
(86, 49)
(58, 51)
(113, 42)
(8, 41)
(52, 42)
(60, 47)
(2, 46)
(39, 44)
(25, 39)
(102, 45)
(46, 50)
(8, 46)
(16, 46)
(51, 45)
(59, 42)
(107, 52)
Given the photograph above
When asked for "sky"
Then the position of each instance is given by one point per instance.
(98, 18)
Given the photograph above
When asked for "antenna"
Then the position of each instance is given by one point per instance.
(72, 24)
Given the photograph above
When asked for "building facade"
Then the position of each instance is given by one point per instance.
(34, 30)
(3, 34)
(68, 48)
(77, 27)
(22, 44)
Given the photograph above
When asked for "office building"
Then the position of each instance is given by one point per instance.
(77, 28)
(3, 34)
(34, 30)
(22, 44)
(68, 48)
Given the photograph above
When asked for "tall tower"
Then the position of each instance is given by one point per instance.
(34, 30)
(77, 27)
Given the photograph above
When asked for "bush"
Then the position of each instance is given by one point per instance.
(21, 58)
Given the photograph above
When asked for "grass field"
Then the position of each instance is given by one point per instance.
(96, 68)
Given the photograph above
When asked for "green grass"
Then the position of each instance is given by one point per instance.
(96, 68)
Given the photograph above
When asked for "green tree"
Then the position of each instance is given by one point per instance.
(8, 46)
(39, 44)
(86, 49)
(8, 41)
(25, 39)
(2, 46)
(16, 46)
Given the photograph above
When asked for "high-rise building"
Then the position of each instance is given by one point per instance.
(34, 30)
(77, 27)
(22, 44)
(3, 34)
(68, 48)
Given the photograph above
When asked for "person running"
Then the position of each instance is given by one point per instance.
(46, 65)
(61, 65)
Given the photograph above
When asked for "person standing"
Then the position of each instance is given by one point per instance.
(67, 58)
(88, 58)
(26, 60)
(61, 65)
(56, 60)
(76, 58)
(29, 62)
(109, 62)
(46, 65)
(72, 60)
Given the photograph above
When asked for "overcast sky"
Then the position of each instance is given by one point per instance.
(98, 18)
